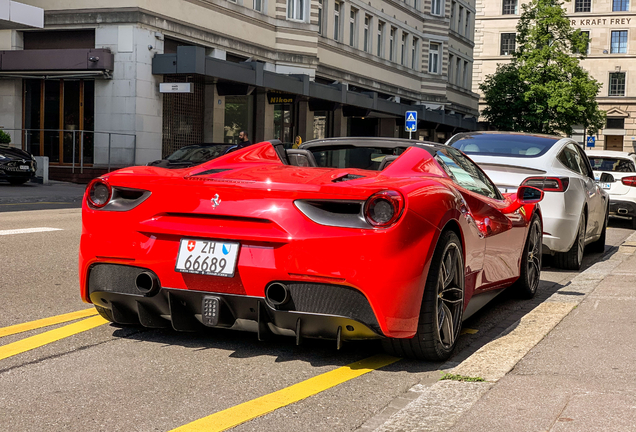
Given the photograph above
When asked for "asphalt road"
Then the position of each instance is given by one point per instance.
(133, 379)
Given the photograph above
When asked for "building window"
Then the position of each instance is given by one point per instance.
(458, 70)
(582, 5)
(380, 37)
(615, 123)
(466, 76)
(436, 7)
(391, 42)
(434, 57)
(460, 20)
(320, 17)
(296, 9)
(403, 49)
(336, 20)
(353, 25)
(258, 5)
(620, 5)
(414, 56)
(452, 15)
(617, 84)
(619, 42)
(509, 7)
(367, 22)
(451, 68)
(467, 25)
(507, 43)
(587, 48)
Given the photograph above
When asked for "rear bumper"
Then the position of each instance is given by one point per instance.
(314, 310)
(622, 208)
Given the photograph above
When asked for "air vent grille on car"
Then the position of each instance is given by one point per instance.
(347, 177)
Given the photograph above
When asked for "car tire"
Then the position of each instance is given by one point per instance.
(573, 259)
(442, 307)
(530, 273)
(599, 245)
(107, 314)
(634, 223)
(17, 182)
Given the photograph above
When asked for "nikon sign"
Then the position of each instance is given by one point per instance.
(274, 97)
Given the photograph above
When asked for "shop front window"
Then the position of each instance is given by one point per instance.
(239, 112)
(284, 123)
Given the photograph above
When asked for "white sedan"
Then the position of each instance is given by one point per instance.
(619, 180)
(575, 209)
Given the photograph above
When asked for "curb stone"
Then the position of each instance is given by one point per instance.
(438, 407)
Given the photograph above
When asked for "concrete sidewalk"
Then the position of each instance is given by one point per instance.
(569, 365)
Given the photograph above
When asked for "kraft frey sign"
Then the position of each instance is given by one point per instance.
(176, 88)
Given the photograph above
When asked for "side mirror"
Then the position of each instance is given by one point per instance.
(606, 178)
(525, 195)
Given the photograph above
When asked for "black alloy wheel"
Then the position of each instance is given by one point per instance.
(530, 271)
(442, 308)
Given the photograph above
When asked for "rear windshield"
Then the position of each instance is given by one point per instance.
(368, 158)
(503, 145)
(604, 163)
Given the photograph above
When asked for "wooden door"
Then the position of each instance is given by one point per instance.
(614, 142)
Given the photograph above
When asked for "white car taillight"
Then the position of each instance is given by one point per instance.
(629, 181)
(548, 184)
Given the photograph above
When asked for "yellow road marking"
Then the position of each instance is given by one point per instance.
(37, 341)
(236, 415)
(469, 331)
(45, 322)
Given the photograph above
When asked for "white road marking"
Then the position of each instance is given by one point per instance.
(28, 230)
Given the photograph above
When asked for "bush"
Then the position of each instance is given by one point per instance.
(5, 138)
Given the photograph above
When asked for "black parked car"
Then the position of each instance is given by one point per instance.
(16, 165)
(193, 155)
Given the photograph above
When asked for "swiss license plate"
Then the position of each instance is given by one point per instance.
(24, 167)
(606, 185)
(207, 257)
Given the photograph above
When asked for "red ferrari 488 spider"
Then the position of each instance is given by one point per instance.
(344, 239)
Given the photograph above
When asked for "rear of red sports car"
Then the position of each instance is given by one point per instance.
(250, 243)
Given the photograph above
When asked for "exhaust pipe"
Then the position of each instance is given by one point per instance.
(277, 294)
(622, 211)
(147, 283)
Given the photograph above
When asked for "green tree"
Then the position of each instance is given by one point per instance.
(544, 89)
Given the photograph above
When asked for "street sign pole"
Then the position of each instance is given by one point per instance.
(410, 122)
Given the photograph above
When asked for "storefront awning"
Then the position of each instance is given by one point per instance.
(57, 63)
(192, 60)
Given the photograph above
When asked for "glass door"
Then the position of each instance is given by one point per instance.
(59, 119)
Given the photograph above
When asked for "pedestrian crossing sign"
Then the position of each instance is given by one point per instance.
(410, 123)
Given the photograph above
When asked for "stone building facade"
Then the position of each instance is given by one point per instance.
(611, 25)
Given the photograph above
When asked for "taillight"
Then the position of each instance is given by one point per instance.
(548, 184)
(629, 181)
(99, 193)
(383, 208)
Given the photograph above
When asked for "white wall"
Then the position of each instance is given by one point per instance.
(130, 102)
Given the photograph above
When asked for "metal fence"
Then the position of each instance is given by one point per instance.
(78, 148)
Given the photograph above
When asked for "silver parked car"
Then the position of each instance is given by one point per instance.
(575, 208)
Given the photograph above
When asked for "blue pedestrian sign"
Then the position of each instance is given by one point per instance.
(590, 141)
(410, 125)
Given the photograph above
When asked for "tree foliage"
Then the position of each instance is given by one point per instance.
(5, 138)
(544, 89)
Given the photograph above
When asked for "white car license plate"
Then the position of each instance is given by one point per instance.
(24, 167)
(207, 257)
(606, 185)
